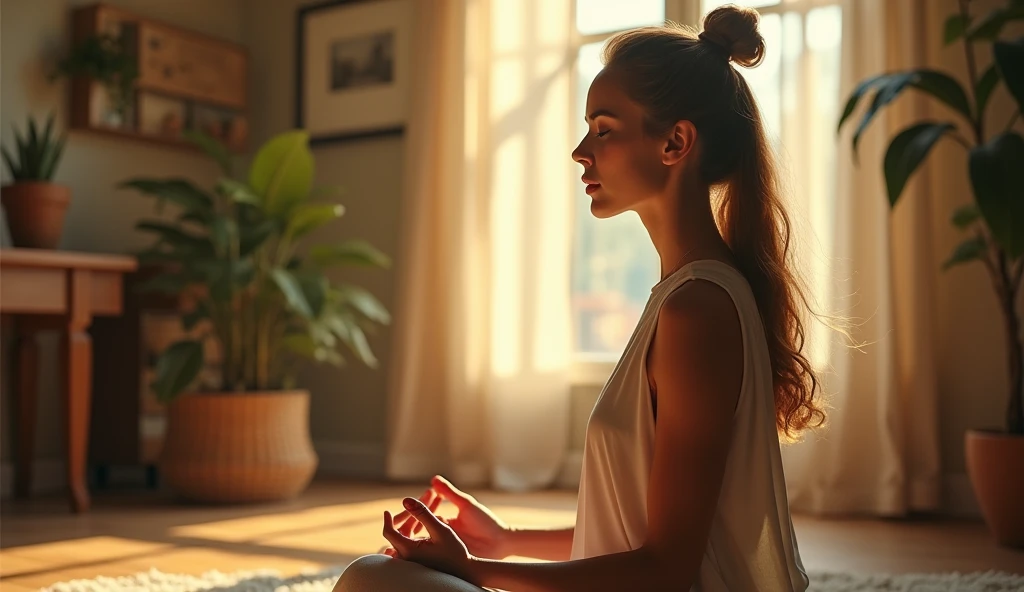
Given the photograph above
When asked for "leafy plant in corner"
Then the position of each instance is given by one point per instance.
(106, 59)
(994, 219)
(235, 250)
(37, 154)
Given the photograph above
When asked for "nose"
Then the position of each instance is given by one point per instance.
(583, 156)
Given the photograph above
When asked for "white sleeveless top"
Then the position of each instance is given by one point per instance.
(751, 545)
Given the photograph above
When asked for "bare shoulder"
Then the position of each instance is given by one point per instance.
(698, 343)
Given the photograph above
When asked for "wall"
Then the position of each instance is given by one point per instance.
(101, 218)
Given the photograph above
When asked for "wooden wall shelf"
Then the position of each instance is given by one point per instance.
(187, 80)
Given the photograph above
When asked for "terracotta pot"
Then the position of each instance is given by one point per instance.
(231, 448)
(995, 463)
(35, 213)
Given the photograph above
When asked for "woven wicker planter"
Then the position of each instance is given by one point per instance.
(232, 448)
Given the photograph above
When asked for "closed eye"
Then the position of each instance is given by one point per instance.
(601, 134)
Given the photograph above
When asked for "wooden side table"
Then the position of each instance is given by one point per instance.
(60, 290)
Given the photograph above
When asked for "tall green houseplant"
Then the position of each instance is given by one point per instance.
(236, 249)
(994, 220)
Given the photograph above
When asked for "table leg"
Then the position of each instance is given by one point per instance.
(27, 388)
(77, 361)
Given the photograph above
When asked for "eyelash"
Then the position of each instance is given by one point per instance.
(601, 134)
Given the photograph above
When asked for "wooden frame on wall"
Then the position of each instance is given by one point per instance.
(353, 68)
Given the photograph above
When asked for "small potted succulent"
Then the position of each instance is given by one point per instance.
(35, 206)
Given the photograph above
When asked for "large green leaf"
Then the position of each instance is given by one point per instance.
(224, 231)
(254, 235)
(308, 217)
(314, 288)
(178, 238)
(989, 27)
(906, 152)
(966, 215)
(352, 335)
(997, 175)
(176, 368)
(1009, 57)
(352, 252)
(211, 146)
(889, 87)
(969, 250)
(178, 191)
(364, 302)
(239, 192)
(956, 26)
(305, 345)
(282, 172)
(292, 291)
(983, 90)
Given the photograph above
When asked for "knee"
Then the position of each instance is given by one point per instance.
(362, 574)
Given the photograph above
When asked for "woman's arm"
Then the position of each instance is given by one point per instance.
(551, 544)
(696, 367)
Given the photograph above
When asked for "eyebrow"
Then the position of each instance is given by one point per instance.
(599, 113)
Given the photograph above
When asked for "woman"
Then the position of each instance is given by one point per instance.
(682, 485)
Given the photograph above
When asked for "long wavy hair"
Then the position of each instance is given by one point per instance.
(676, 74)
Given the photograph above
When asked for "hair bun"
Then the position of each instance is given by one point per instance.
(734, 29)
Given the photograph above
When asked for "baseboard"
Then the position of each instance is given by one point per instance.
(48, 476)
(958, 496)
(351, 459)
(569, 475)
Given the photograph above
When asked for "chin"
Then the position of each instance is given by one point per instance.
(602, 209)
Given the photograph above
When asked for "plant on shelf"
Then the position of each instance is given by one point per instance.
(262, 301)
(34, 204)
(993, 219)
(105, 59)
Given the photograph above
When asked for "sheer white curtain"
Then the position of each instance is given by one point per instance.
(880, 452)
(480, 384)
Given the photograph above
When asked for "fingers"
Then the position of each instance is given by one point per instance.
(407, 526)
(432, 506)
(398, 541)
(403, 516)
(421, 513)
(450, 492)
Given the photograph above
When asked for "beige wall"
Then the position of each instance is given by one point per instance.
(101, 218)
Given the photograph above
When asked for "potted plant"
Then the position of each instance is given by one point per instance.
(105, 59)
(993, 221)
(263, 304)
(34, 204)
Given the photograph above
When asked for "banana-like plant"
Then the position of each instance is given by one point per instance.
(994, 219)
(234, 249)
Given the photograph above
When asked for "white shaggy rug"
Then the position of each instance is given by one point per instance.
(323, 581)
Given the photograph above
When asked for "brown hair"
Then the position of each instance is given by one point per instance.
(677, 74)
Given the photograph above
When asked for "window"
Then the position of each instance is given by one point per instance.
(797, 88)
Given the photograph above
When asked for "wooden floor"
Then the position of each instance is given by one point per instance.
(335, 522)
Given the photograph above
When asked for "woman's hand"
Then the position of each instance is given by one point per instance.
(484, 534)
(443, 550)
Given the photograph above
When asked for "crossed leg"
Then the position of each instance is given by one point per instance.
(380, 573)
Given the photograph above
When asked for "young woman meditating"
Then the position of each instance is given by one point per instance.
(682, 485)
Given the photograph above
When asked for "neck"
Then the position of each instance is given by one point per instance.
(682, 228)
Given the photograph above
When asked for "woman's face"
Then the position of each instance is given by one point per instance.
(622, 165)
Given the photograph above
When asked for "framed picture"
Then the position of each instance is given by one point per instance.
(353, 68)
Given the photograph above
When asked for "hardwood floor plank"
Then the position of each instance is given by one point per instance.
(335, 522)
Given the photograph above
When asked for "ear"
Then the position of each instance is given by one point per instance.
(682, 139)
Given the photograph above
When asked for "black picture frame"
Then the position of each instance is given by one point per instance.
(399, 68)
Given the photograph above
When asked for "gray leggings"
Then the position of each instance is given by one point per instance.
(380, 573)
